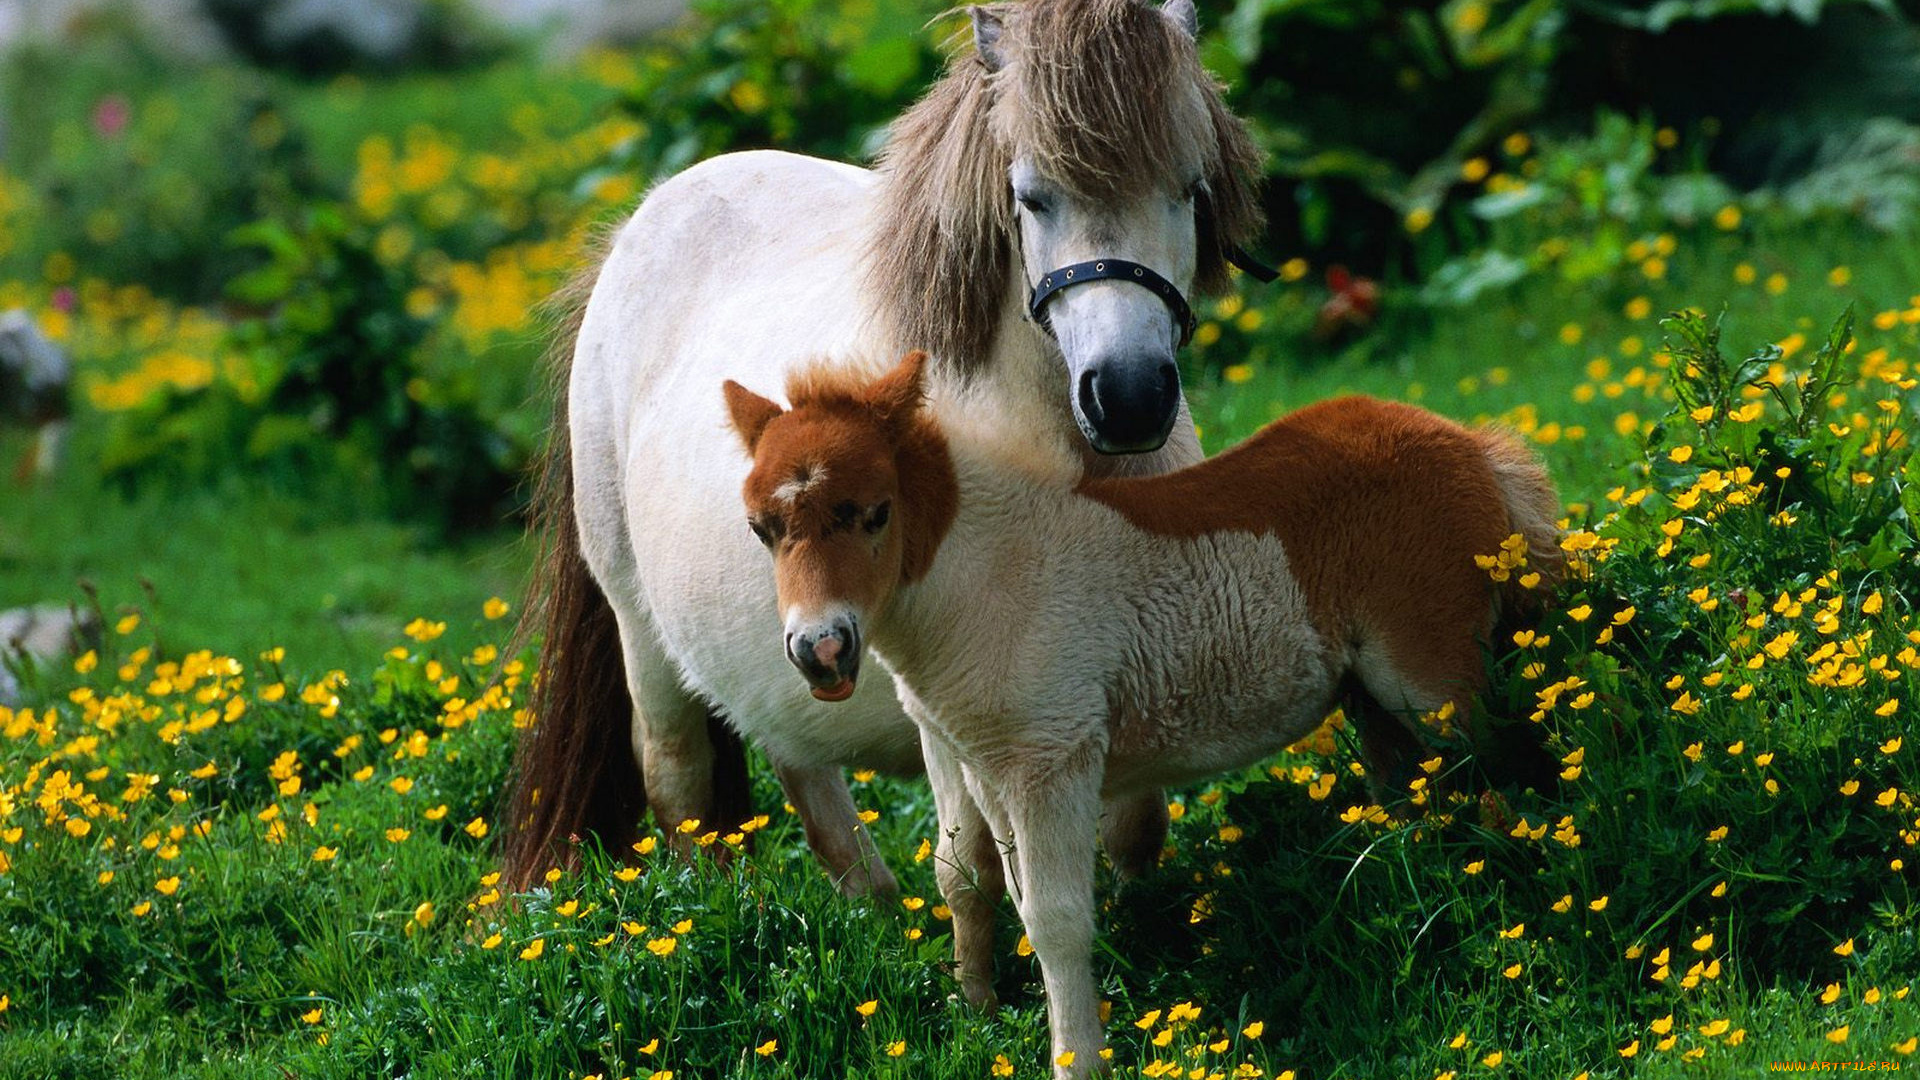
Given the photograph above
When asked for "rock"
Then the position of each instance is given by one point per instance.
(33, 637)
(35, 387)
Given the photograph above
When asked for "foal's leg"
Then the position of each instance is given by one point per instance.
(834, 830)
(1053, 810)
(967, 865)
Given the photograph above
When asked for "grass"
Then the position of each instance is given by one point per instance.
(254, 837)
(1361, 948)
(241, 570)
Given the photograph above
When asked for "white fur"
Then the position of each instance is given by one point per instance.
(746, 267)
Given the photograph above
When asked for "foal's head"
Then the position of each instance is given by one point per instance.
(851, 491)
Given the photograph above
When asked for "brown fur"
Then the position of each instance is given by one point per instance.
(1343, 484)
(1091, 92)
(574, 773)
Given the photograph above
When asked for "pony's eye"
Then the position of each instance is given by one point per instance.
(764, 534)
(845, 514)
(1033, 204)
(878, 519)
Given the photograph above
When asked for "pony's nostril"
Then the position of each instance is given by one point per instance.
(1089, 397)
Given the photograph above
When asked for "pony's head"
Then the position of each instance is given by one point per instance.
(1080, 133)
(851, 491)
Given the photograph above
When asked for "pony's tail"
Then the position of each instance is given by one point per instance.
(574, 772)
(1533, 511)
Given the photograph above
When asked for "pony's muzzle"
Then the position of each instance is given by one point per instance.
(1127, 407)
(828, 656)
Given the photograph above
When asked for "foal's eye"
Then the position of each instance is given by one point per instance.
(760, 531)
(1033, 204)
(877, 520)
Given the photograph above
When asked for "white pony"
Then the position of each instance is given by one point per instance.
(1079, 143)
(1063, 639)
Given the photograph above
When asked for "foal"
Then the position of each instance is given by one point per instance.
(1058, 639)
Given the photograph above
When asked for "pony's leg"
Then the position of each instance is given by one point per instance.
(1053, 810)
(834, 830)
(1134, 832)
(671, 738)
(967, 866)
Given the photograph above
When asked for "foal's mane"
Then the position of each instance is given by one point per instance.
(1089, 90)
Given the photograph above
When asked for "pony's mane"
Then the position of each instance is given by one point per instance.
(1091, 90)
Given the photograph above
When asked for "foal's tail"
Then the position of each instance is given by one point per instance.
(1533, 511)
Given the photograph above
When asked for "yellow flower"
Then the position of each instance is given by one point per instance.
(1838, 1035)
(167, 886)
(533, 951)
(323, 853)
(768, 1048)
(1514, 932)
(867, 1008)
(897, 1048)
(313, 1017)
(1597, 905)
(1493, 1060)
(423, 630)
(1662, 1025)
(1845, 948)
(424, 913)
(1703, 943)
(1254, 1030)
(495, 608)
(492, 941)
(663, 946)
(396, 835)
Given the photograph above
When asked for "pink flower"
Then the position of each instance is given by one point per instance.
(110, 115)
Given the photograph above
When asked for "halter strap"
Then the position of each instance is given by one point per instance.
(1111, 270)
(1251, 266)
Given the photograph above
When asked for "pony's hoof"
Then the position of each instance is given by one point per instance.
(980, 997)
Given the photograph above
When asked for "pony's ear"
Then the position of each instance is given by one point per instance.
(749, 412)
(897, 395)
(1182, 14)
(987, 28)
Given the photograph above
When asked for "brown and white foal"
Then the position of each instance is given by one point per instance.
(1059, 639)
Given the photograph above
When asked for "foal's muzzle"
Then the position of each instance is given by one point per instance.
(828, 656)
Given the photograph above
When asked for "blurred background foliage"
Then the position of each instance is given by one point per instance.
(323, 268)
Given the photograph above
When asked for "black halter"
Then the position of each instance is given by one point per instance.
(1110, 270)
(1121, 270)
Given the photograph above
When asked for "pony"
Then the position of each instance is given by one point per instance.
(1035, 220)
(1060, 637)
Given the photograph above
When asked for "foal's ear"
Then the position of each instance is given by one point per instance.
(898, 395)
(987, 28)
(749, 412)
